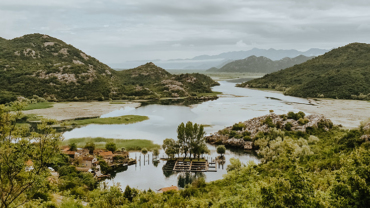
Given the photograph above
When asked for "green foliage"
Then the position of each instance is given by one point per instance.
(41, 65)
(341, 73)
(303, 121)
(235, 164)
(144, 151)
(155, 152)
(296, 116)
(247, 138)
(72, 146)
(221, 149)
(24, 157)
(128, 119)
(238, 126)
(111, 146)
(191, 139)
(42, 105)
(71, 203)
(260, 64)
(105, 168)
(268, 122)
(128, 144)
(288, 126)
(90, 146)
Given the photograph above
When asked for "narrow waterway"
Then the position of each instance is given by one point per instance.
(236, 104)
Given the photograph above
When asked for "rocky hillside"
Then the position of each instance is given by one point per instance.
(260, 64)
(41, 65)
(151, 80)
(342, 73)
(245, 133)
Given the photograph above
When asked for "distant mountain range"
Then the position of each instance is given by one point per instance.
(260, 64)
(207, 61)
(342, 73)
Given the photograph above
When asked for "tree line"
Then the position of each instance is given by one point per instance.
(190, 141)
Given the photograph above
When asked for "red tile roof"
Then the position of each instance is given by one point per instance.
(88, 158)
(109, 153)
(29, 163)
(170, 188)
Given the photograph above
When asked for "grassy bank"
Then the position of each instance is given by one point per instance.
(41, 105)
(128, 119)
(128, 144)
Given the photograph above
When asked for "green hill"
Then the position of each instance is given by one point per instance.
(41, 65)
(260, 64)
(342, 73)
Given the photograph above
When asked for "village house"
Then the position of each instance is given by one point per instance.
(89, 162)
(107, 156)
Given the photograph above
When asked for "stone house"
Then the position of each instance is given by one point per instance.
(107, 156)
(88, 162)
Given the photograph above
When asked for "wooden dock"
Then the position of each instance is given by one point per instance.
(194, 166)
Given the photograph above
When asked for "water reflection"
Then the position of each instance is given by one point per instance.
(236, 104)
(185, 178)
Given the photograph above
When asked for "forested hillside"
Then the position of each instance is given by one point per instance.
(342, 73)
(260, 64)
(47, 67)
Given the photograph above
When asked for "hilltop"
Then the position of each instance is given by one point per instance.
(41, 65)
(260, 64)
(342, 73)
(151, 80)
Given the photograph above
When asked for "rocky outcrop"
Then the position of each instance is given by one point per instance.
(258, 124)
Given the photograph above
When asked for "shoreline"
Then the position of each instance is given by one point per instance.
(348, 113)
(77, 110)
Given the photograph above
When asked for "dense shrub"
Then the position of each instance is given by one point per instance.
(288, 126)
(268, 122)
(238, 126)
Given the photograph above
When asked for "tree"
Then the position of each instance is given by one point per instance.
(110, 146)
(72, 146)
(190, 138)
(221, 149)
(24, 156)
(155, 152)
(144, 151)
(90, 146)
(169, 146)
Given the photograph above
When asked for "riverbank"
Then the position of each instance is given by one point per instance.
(75, 110)
(348, 113)
(128, 144)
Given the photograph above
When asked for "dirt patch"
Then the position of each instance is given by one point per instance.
(73, 110)
(349, 113)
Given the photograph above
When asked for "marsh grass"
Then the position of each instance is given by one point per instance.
(118, 102)
(128, 144)
(128, 119)
(41, 105)
(209, 94)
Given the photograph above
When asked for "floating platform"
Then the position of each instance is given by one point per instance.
(194, 166)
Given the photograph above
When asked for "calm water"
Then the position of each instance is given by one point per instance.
(236, 104)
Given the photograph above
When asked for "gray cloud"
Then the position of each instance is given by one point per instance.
(116, 31)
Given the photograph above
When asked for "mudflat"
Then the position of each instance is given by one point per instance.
(73, 110)
(349, 113)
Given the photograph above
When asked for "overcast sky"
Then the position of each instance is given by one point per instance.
(119, 30)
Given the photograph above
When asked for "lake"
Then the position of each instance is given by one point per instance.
(235, 105)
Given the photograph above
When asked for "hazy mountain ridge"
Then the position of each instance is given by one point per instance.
(41, 65)
(260, 64)
(209, 61)
(342, 73)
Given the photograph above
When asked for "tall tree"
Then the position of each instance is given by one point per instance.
(24, 156)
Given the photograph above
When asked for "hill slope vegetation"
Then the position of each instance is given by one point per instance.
(41, 65)
(342, 73)
(260, 64)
